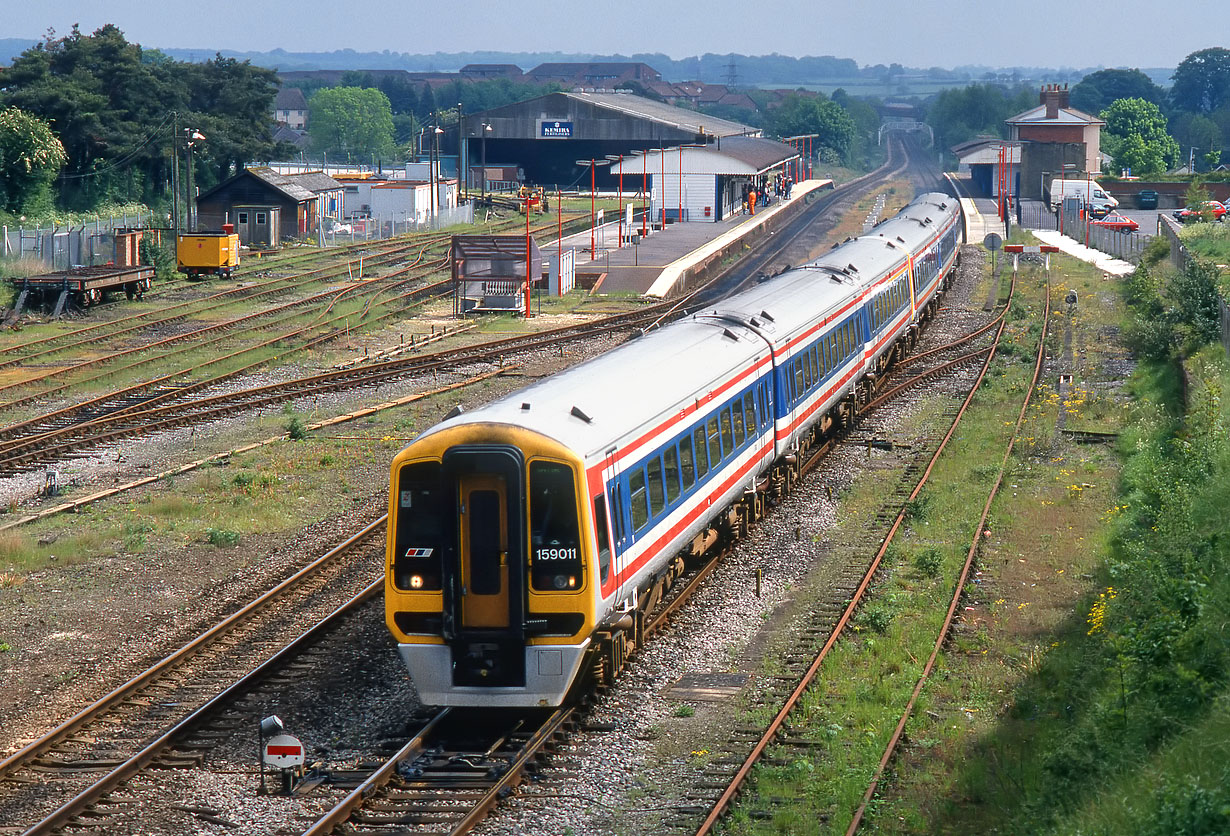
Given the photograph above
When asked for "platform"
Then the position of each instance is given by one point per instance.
(664, 260)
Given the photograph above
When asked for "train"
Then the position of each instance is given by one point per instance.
(200, 254)
(528, 539)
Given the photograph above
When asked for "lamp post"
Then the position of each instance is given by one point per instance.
(593, 205)
(192, 137)
(483, 187)
(433, 173)
(463, 171)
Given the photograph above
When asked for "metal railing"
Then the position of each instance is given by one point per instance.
(1076, 225)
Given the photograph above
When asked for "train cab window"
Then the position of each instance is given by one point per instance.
(426, 527)
(637, 499)
(687, 467)
(670, 469)
(749, 413)
(604, 543)
(656, 500)
(736, 415)
(555, 535)
(715, 444)
(727, 440)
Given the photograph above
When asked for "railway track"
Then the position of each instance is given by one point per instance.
(428, 782)
(730, 773)
(163, 716)
(35, 442)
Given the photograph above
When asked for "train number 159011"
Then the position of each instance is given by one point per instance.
(555, 554)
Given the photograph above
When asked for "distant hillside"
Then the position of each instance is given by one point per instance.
(744, 70)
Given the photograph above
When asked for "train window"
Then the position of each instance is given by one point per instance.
(687, 467)
(656, 501)
(604, 543)
(715, 443)
(640, 505)
(798, 376)
(833, 358)
(736, 415)
(487, 558)
(749, 413)
(670, 469)
(702, 459)
(555, 535)
(426, 527)
(727, 442)
(808, 377)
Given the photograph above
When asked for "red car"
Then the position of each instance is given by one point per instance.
(1195, 213)
(1117, 222)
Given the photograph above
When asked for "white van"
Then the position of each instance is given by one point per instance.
(1087, 191)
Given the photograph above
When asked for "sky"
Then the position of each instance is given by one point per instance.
(916, 33)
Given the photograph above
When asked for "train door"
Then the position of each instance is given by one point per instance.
(484, 551)
(485, 576)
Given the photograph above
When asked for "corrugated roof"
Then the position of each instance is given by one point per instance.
(759, 153)
(316, 181)
(675, 117)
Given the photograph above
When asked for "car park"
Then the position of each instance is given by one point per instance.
(1117, 222)
(1211, 209)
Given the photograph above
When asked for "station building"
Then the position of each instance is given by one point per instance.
(551, 140)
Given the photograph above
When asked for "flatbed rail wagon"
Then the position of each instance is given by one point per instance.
(84, 286)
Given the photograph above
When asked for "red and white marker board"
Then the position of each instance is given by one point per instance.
(284, 751)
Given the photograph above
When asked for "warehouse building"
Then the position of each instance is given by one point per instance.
(544, 137)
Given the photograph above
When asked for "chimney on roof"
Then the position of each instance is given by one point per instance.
(1054, 97)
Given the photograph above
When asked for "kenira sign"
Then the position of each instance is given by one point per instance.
(556, 130)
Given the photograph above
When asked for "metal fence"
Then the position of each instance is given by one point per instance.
(375, 229)
(1034, 214)
(59, 248)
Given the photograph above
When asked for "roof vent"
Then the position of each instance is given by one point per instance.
(454, 412)
(890, 245)
(754, 322)
(899, 238)
(577, 412)
(850, 268)
(525, 406)
(726, 332)
(766, 315)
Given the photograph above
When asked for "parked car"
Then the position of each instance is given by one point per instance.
(1210, 208)
(1117, 222)
(1146, 199)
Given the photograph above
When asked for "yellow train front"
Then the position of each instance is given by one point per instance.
(488, 588)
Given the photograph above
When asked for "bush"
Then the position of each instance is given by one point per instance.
(160, 257)
(296, 430)
(222, 537)
(929, 561)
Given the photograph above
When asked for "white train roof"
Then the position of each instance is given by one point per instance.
(628, 388)
(614, 397)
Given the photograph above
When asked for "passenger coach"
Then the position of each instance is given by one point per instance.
(527, 539)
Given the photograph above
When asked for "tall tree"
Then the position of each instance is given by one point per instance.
(1202, 81)
(1135, 135)
(30, 158)
(351, 121)
(959, 114)
(1097, 91)
(815, 115)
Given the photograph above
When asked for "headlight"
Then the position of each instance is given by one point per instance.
(416, 581)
